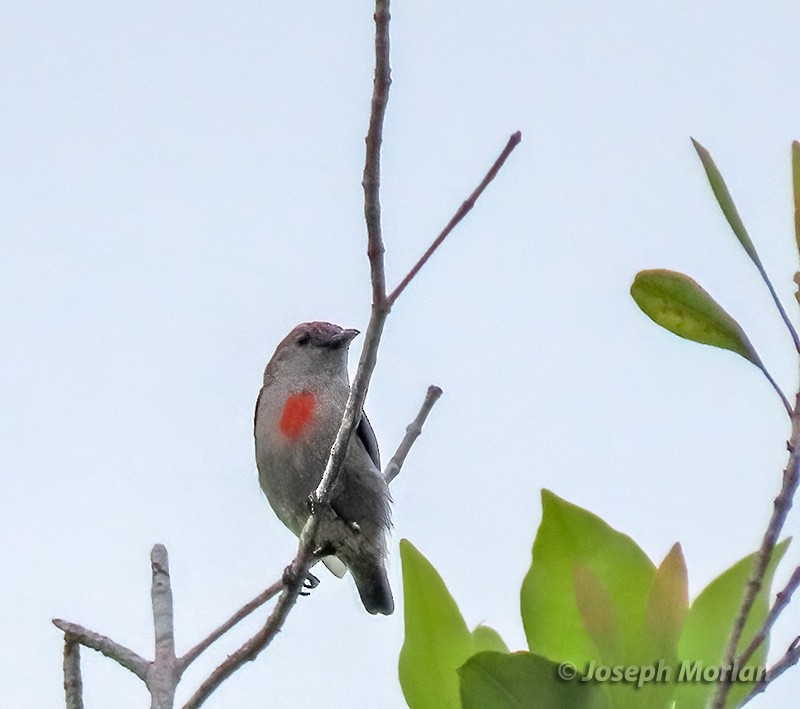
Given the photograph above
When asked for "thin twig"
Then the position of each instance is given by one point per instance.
(778, 390)
(779, 305)
(192, 654)
(413, 431)
(119, 653)
(371, 181)
(375, 251)
(354, 406)
(462, 211)
(781, 601)
(250, 650)
(789, 660)
(782, 505)
(73, 685)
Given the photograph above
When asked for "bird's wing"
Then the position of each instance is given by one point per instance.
(367, 437)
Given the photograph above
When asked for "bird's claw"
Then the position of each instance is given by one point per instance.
(289, 577)
(310, 582)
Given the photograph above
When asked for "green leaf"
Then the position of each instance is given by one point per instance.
(486, 639)
(729, 209)
(726, 203)
(796, 188)
(709, 622)
(521, 680)
(569, 536)
(437, 640)
(680, 305)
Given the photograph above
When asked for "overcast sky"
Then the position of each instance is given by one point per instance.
(181, 186)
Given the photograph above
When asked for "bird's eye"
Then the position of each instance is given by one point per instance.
(303, 339)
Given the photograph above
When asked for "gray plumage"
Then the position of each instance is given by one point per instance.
(298, 413)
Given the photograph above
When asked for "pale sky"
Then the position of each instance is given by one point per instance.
(181, 186)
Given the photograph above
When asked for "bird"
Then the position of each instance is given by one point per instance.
(298, 413)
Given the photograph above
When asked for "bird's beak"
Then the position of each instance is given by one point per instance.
(344, 337)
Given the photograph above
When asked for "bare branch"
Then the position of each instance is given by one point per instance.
(161, 598)
(789, 660)
(375, 250)
(371, 181)
(781, 601)
(73, 685)
(241, 614)
(163, 674)
(463, 210)
(125, 657)
(251, 649)
(782, 505)
(413, 431)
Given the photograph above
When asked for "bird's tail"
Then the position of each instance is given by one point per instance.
(373, 586)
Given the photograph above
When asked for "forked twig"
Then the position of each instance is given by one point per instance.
(782, 599)
(241, 614)
(782, 505)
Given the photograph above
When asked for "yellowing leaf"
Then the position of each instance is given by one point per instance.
(597, 613)
(680, 305)
(668, 602)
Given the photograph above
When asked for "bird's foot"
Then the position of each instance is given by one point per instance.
(310, 582)
(290, 577)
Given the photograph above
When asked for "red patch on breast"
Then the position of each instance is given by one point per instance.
(297, 412)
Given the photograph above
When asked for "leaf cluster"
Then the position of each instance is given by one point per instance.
(591, 595)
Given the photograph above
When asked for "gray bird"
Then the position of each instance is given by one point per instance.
(298, 413)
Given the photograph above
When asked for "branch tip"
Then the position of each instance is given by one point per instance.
(461, 212)
(413, 431)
